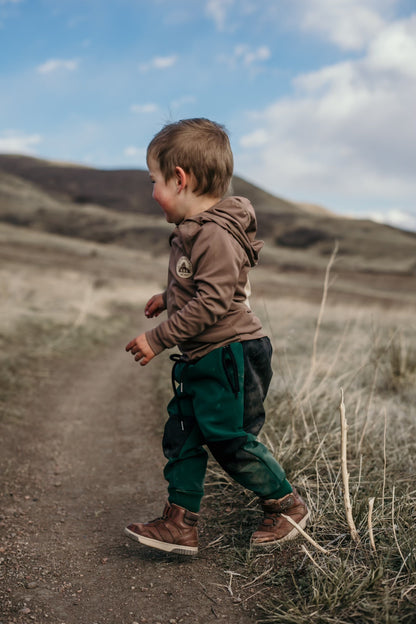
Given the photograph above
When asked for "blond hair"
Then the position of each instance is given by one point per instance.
(201, 147)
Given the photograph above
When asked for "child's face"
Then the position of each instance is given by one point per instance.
(166, 194)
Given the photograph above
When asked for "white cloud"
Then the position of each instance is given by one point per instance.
(186, 99)
(144, 108)
(396, 217)
(347, 131)
(245, 55)
(257, 138)
(162, 62)
(16, 143)
(135, 153)
(250, 56)
(394, 49)
(217, 10)
(53, 65)
(230, 15)
(347, 23)
(158, 62)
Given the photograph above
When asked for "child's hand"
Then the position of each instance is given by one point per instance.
(154, 306)
(140, 348)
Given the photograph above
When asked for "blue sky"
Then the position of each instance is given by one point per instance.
(318, 95)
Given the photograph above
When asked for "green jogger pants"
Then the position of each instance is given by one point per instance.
(208, 409)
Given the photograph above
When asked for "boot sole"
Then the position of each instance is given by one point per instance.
(294, 533)
(177, 549)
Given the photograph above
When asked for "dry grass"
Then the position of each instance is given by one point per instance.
(370, 353)
(58, 295)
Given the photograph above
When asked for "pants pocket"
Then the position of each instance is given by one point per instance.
(178, 427)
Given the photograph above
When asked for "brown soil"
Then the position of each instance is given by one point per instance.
(80, 458)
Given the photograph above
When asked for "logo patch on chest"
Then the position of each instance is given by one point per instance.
(184, 267)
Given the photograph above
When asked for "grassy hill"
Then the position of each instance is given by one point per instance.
(115, 207)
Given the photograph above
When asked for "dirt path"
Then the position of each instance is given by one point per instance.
(81, 460)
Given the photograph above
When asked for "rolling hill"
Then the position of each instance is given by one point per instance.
(115, 207)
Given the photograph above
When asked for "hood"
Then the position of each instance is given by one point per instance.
(235, 215)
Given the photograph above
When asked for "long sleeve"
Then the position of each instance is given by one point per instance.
(217, 260)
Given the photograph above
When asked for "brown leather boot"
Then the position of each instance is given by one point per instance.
(274, 529)
(174, 532)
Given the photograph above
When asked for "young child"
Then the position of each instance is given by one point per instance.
(221, 379)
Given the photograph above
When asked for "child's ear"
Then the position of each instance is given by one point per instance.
(181, 178)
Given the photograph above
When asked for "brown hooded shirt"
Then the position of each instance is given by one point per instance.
(208, 287)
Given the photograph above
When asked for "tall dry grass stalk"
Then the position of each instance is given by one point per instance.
(311, 373)
(345, 474)
(305, 535)
(370, 522)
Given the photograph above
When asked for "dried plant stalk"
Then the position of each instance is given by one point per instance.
(394, 527)
(323, 302)
(308, 554)
(345, 474)
(306, 385)
(305, 535)
(384, 461)
(370, 522)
